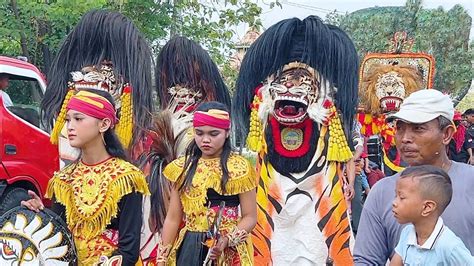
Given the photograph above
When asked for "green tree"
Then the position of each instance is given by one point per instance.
(444, 34)
(36, 28)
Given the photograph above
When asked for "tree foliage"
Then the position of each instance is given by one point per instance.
(444, 34)
(36, 28)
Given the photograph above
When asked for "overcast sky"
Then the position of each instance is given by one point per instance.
(304, 8)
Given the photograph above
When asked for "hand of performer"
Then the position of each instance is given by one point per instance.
(471, 160)
(219, 247)
(349, 191)
(35, 203)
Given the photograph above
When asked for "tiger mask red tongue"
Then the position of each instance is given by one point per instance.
(289, 112)
(390, 103)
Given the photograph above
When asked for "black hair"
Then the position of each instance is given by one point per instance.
(100, 36)
(443, 122)
(433, 183)
(184, 62)
(193, 153)
(112, 143)
(326, 48)
(469, 111)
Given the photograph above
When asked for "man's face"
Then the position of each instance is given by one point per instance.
(420, 144)
(470, 119)
(3, 82)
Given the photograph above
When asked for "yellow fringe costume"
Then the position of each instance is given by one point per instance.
(91, 195)
(208, 176)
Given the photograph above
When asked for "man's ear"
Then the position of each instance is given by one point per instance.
(105, 124)
(448, 133)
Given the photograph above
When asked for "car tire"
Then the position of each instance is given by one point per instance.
(12, 198)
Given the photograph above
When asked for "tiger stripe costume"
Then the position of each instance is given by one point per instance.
(296, 126)
(330, 210)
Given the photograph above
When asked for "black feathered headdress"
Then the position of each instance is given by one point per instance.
(325, 48)
(103, 36)
(183, 62)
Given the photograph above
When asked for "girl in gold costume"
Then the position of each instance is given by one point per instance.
(208, 175)
(100, 194)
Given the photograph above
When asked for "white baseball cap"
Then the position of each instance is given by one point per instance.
(423, 106)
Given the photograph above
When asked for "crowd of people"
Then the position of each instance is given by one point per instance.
(424, 128)
(312, 189)
(365, 173)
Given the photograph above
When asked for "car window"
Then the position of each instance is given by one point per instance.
(26, 96)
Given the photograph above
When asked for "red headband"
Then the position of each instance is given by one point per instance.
(93, 105)
(213, 118)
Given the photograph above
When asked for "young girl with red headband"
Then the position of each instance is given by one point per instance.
(99, 195)
(209, 174)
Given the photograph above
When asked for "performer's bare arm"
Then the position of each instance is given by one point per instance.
(358, 152)
(350, 170)
(173, 218)
(249, 210)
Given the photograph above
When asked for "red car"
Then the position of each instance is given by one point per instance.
(27, 159)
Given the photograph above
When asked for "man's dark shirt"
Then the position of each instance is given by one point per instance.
(462, 156)
(470, 137)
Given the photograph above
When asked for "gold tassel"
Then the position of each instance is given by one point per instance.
(338, 149)
(244, 183)
(61, 119)
(90, 227)
(254, 139)
(124, 128)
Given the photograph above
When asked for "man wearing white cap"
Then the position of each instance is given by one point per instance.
(424, 128)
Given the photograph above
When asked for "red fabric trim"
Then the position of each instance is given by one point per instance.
(306, 126)
(96, 163)
(111, 236)
(127, 89)
(93, 110)
(202, 119)
(459, 137)
(257, 90)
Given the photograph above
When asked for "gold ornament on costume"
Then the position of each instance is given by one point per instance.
(193, 199)
(124, 128)
(163, 252)
(338, 149)
(255, 136)
(61, 120)
(237, 236)
(91, 195)
(101, 78)
(291, 138)
(208, 175)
